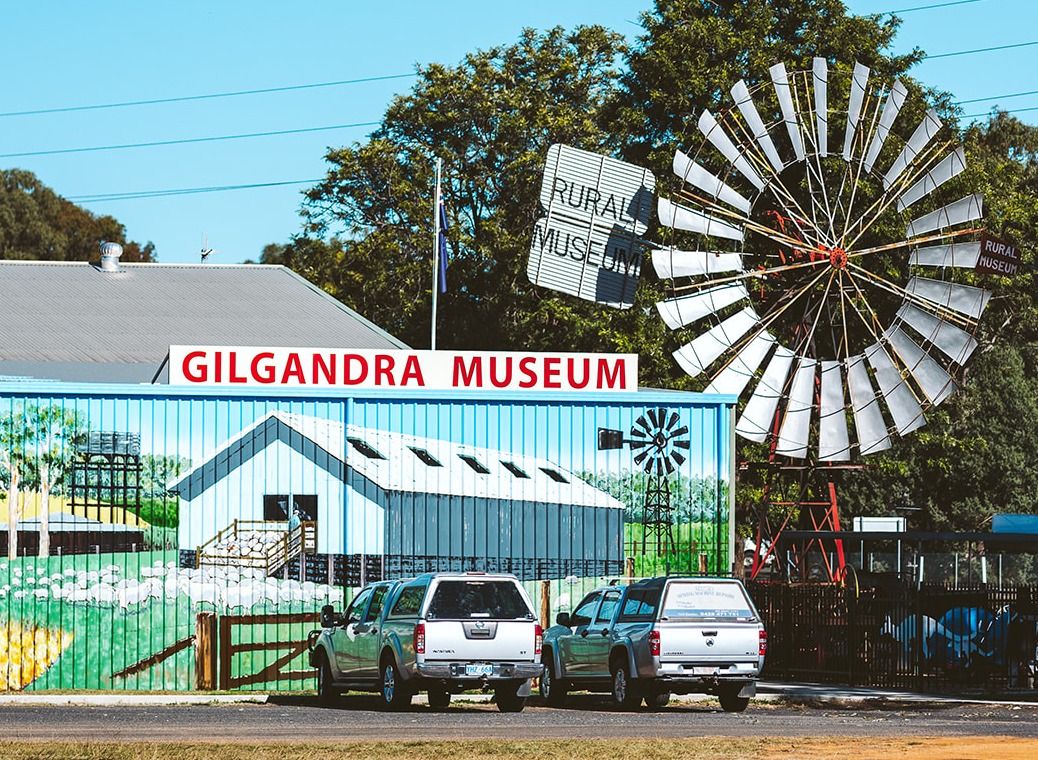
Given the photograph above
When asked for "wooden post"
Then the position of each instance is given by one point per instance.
(205, 651)
(702, 563)
(629, 570)
(546, 604)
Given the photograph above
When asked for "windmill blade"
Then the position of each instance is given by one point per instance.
(935, 383)
(700, 353)
(681, 218)
(904, 409)
(955, 343)
(713, 186)
(868, 419)
(951, 165)
(678, 457)
(963, 210)
(891, 108)
(669, 427)
(668, 464)
(833, 439)
(780, 80)
(964, 255)
(859, 85)
(684, 310)
(796, 423)
(734, 377)
(646, 430)
(924, 133)
(671, 263)
(719, 139)
(963, 299)
(820, 79)
(757, 416)
(741, 96)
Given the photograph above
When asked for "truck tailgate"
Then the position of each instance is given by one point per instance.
(479, 640)
(709, 642)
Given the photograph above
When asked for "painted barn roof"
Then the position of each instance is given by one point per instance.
(399, 462)
(72, 321)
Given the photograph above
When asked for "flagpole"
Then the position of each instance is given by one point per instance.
(436, 253)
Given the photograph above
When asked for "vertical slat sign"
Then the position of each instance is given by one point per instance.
(588, 244)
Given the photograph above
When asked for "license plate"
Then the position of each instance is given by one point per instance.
(479, 670)
(704, 671)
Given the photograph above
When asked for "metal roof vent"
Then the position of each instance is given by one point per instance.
(110, 253)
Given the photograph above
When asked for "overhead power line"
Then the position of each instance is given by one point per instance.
(134, 195)
(928, 7)
(983, 50)
(999, 97)
(185, 141)
(209, 96)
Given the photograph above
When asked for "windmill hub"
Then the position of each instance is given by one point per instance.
(837, 258)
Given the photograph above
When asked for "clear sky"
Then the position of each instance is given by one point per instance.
(67, 54)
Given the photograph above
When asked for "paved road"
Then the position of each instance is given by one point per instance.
(299, 719)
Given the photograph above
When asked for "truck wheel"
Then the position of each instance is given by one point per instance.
(625, 693)
(507, 698)
(326, 691)
(731, 701)
(439, 699)
(394, 693)
(657, 700)
(553, 691)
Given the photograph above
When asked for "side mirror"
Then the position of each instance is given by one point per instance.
(328, 616)
(562, 619)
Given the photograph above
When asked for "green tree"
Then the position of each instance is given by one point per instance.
(13, 439)
(38, 224)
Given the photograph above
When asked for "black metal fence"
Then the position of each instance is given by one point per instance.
(928, 638)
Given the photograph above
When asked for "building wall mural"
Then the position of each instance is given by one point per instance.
(136, 522)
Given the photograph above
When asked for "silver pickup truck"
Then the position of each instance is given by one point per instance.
(655, 637)
(441, 632)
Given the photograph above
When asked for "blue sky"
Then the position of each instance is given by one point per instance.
(70, 54)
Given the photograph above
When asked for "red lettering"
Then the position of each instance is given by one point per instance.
(263, 373)
(217, 373)
(463, 378)
(348, 360)
(293, 368)
(328, 370)
(607, 379)
(195, 372)
(507, 380)
(582, 383)
(413, 370)
(383, 368)
(234, 377)
(524, 368)
(551, 372)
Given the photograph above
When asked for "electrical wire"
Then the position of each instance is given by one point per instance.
(134, 195)
(209, 96)
(982, 50)
(185, 141)
(928, 7)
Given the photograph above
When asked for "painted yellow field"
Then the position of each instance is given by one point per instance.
(105, 513)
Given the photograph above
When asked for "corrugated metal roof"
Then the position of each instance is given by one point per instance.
(69, 313)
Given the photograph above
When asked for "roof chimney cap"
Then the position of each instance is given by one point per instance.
(110, 253)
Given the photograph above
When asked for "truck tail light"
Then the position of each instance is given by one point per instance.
(654, 643)
(763, 642)
(538, 638)
(419, 638)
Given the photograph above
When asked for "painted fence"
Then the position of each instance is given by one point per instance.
(165, 538)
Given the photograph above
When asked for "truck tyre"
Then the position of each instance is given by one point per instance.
(731, 701)
(439, 699)
(507, 698)
(553, 691)
(625, 692)
(394, 694)
(657, 700)
(326, 691)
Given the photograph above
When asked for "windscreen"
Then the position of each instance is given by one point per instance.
(466, 599)
(707, 601)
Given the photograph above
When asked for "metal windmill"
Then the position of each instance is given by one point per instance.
(830, 287)
(657, 441)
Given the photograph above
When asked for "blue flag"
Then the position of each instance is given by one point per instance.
(443, 248)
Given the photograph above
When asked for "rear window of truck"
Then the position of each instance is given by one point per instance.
(467, 599)
(707, 601)
(640, 605)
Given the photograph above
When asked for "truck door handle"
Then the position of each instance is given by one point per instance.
(583, 634)
(373, 631)
(605, 631)
(710, 633)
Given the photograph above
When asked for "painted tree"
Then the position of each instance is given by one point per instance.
(53, 432)
(13, 439)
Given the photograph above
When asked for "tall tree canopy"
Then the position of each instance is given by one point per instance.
(37, 223)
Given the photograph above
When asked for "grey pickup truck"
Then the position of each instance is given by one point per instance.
(655, 637)
(441, 632)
